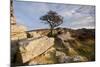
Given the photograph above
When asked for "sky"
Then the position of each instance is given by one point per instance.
(75, 16)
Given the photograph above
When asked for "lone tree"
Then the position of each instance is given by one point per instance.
(53, 19)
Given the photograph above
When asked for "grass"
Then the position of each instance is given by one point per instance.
(87, 49)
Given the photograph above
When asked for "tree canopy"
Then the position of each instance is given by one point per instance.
(52, 18)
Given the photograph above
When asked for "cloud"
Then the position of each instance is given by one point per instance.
(83, 22)
(80, 17)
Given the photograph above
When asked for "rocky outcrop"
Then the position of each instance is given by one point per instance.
(79, 58)
(48, 57)
(31, 48)
(62, 57)
(65, 39)
(44, 50)
(34, 47)
(18, 32)
(71, 45)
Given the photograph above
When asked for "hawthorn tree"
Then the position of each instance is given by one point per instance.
(53, 19)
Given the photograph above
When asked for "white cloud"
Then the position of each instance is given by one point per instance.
(80, 17)
(87, 22)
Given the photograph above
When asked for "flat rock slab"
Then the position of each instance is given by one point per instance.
(35, 47)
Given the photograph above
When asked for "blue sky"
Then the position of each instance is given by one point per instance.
(75, 16)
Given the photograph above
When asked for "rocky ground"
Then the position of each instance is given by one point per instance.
(66, 46)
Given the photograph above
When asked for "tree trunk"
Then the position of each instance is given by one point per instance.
(51, 31)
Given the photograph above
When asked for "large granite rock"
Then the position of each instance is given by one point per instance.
(79, 58)
(31, 48)
(47, 57)
(18, 32)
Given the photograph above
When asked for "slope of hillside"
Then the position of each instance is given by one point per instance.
(69, 46)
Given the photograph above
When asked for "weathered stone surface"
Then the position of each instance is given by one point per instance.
(47, 57)
(68, 42)
(34, 47)
(65, 59)
(62, 57)
(18, 32)
(13, 20)
(79, 58)
(18, 28)
(59, 53)
(19, 36)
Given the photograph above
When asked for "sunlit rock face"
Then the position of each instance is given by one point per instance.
(31, 48)
(38, 33)
(48, 57)
(18, 32)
